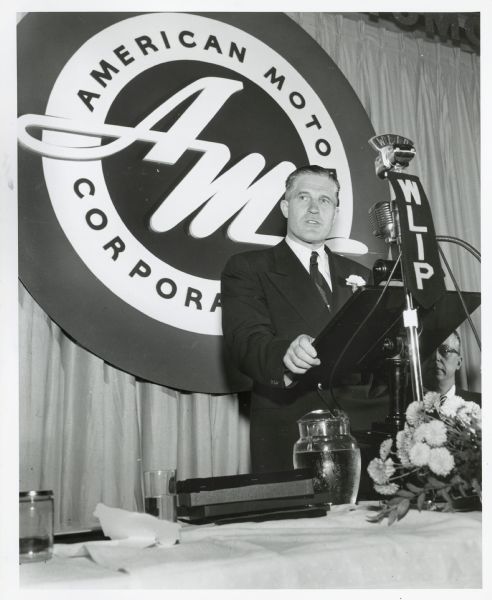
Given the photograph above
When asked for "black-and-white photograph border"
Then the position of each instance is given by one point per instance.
(240, 297)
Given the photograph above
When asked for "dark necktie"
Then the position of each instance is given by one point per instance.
(319, 280)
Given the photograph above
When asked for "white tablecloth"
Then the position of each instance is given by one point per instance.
(341, 550)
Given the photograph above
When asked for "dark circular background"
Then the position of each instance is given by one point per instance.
(61, 283)
(138, 187)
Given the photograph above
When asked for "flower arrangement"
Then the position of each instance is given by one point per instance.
(437, 457)
(355, 282)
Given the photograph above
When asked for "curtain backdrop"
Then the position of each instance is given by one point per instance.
(88, 430)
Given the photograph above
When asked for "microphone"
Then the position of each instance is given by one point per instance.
(394, 153)
(384, 217)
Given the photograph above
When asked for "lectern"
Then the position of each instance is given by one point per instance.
(352, 342)
(349, 344)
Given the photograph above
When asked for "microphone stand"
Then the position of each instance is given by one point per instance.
(394, 154)
(410, 323)
(402, 360)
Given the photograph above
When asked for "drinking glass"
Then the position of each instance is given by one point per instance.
(160, 493)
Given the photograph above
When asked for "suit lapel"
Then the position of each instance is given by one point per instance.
(297, 287)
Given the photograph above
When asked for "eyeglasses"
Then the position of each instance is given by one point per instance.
(445, 351)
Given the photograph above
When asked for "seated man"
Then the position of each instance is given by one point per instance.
(274, 302)
(438, 371)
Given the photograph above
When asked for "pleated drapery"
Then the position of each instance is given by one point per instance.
(88, 430)
(429, 93)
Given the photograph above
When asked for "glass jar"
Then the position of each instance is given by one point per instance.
(36, 517)
(325, 444)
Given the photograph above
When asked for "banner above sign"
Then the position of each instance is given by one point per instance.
(153, 147)
(460, 29)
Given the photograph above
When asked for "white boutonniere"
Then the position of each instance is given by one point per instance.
(355, 282)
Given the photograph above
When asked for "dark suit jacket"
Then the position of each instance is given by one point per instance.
(465, 394)
(469, 396)
(268, 299)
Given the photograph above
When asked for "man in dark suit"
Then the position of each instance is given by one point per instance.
(439, 370)
(274, 303)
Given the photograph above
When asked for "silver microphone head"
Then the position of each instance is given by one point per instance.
(382, 221)
(394, 153)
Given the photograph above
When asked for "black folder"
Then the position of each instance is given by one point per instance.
(366, 349)
(251, 496)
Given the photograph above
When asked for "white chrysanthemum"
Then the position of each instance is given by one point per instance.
(476, 414)
(403, 444)
(432, 401)
(385, 448)
(469, 411)
(420, 433)
(407, 438)
(463, 415)
(475, 409)
(415, 413)
(451, 405)
(380, 471)
(400, 438)
(441, 461)
(386, 490)
(419, 454)
(435, 433)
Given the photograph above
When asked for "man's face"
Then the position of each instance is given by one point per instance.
(440, 367)
(310, 207)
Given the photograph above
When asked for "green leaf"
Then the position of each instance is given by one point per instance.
(477, 488)
(393, 501)
(420, 501)
(435, 483)
(403, 508)
(376, 518)
(405, 494)
(392, 516)
(414, 488)
(444, 493)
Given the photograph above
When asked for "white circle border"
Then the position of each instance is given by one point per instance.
(60, 175)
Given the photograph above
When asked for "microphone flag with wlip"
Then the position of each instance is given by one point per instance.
(420, 255)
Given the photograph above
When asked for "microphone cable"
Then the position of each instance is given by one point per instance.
(353, 336)
(476, 254)
(459, 242)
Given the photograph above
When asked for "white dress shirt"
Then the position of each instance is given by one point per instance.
(304, 255)
(449, 394)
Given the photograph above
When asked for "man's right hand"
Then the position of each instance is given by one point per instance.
(301, 355)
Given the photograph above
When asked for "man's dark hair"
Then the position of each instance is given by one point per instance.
(313, 170)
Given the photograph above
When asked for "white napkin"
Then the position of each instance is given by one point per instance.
(130, 533)
(119, 524)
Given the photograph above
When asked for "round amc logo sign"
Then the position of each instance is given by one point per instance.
(154, 146)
